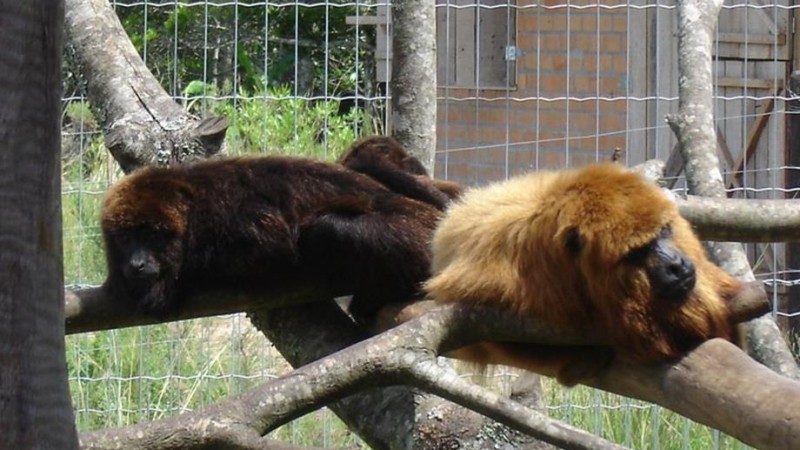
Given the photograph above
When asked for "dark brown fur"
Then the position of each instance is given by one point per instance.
(386, 161)
(262, 222)
(571, 248)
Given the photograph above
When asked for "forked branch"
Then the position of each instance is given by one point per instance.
(406, 355)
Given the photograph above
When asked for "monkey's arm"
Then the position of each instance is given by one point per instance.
(413, 186)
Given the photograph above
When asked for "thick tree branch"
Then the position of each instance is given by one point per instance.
(694, 122)
(143, 124)
(726, 219)
(406, 355)
(35, 405)
(733, 220)
(718, 385)
(694, 127)
(405, 418)
(91, 310)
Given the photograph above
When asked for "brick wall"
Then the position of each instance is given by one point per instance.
(580, 53)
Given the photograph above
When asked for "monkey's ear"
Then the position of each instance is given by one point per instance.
(572, 240)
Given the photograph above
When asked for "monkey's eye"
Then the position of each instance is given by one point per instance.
(573, 242)
(638, 255)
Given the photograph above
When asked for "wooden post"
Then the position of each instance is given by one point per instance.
(793, 181)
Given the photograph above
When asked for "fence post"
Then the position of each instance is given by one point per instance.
(793, 181)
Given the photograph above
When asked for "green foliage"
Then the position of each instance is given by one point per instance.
(277, 122)
(132, 375)
(84, 259)
(252, 47)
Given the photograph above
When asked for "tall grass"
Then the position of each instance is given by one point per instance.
(125, 376)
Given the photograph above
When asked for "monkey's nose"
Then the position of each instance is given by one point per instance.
(137, 264)
(681, 268)
(682, 275)
(141, 265)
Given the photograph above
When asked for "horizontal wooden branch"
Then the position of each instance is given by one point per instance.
(737, 220)
(90, 309)
(718, 385)
(714, 384)
(740, 220)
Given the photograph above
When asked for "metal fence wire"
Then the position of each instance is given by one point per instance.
(522, 85)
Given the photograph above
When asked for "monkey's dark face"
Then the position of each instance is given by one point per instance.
(670, 272)
(618, 231)
(658, 268)
(148, 261)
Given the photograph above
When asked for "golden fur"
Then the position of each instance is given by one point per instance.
(508, 244)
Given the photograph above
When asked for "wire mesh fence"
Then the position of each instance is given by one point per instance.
(522, 86)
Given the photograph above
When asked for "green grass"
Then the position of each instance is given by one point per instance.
(131, 375)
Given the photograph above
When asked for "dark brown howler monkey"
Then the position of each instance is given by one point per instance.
(385, 160)
(598, 249)
(261, 222)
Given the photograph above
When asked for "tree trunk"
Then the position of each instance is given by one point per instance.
(142, 123)
(35, 406)
(414, 78)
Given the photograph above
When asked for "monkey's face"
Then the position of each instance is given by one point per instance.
(618, 233)
(656, 270)
(640, 268)
(670, 273)
(144, 221)
(149, 261)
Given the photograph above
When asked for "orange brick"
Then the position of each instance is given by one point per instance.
(553, 122)
(610, 122)
(620, 64)
(578, 2)
(611, 86)
(606, 63)
(611, 142)
(553, 159)
(527, 22)
(583, 41)
(553, 85)
(517, 158)
(493, 134)
(606, 22)
(554, 61)
(554, 21)
(582, 85)
(589, 63)
(612, 43)
(527, 42)
(553, 41)
(620, 23)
